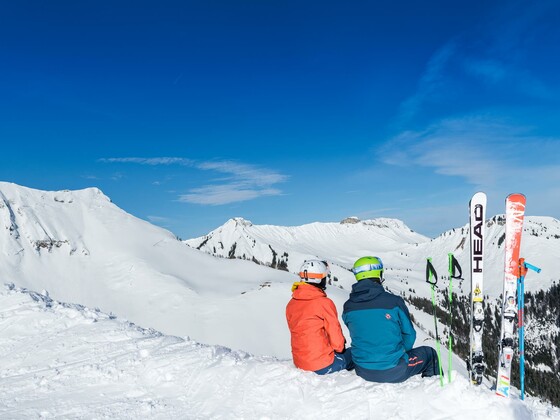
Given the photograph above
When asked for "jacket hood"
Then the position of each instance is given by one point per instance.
(304, 291)
(364, 290)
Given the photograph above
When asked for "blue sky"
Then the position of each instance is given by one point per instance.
(189, 113)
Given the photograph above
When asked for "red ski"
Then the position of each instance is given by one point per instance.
(515, 211)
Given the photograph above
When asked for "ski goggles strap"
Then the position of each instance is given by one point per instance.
(307, 275)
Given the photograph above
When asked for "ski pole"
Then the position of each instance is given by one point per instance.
(523, 268)
(455, 272)
(431, 274)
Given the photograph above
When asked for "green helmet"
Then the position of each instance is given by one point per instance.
(367, 268)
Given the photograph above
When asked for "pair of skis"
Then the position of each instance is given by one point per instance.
(513, 286)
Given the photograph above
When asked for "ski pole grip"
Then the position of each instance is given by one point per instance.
(455, 270)
(431, 272)
(532, 267)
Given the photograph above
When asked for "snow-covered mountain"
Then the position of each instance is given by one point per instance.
(339, 243)
(403, 251)
(63, 360)
(82, 248)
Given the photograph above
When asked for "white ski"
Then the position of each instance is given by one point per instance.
(477, 217)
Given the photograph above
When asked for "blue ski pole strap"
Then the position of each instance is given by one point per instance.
(431, 275)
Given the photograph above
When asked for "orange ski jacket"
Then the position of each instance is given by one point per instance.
(314, 327)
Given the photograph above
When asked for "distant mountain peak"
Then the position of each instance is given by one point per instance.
(381, 222)
(352, 220)
(239, 221)
(385, 222)
(17, 194)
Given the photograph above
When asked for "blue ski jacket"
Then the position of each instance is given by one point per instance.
(379, 324)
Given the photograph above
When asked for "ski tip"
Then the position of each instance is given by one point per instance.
(516, 197)
(479, 198)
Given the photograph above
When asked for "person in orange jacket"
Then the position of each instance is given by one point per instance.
(316, 337)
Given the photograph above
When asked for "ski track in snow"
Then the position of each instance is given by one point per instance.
(67, 361)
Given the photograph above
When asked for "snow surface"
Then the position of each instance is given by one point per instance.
(68, 361)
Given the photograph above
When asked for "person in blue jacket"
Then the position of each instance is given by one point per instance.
(381, 330)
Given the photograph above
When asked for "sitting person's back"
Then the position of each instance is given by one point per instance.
(316, 337)
(381, 330)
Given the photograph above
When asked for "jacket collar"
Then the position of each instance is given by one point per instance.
(304, 291)
(366, 289)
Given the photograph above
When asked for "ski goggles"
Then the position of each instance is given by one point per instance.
(368, 267)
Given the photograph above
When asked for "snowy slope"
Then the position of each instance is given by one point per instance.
(68, 361)
(82, 248)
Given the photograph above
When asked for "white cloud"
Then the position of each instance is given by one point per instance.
(150, 161)
(247, 173)
(225, 194)
(246, 182)
(242, 181)
(483, 150)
